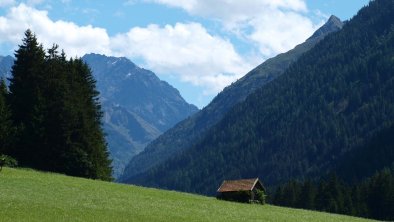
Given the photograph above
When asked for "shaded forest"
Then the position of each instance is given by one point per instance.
(51, 117)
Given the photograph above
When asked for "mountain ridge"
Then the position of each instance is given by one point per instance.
(328, 103)
(184, 133)
(137, 105)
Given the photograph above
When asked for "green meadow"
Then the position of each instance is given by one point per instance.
(27, 195)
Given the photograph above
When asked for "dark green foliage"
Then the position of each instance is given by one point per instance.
(6, 129)
(377, 154)
(84, 132)
(26, 100)
(373, 198)
(261, 196)
(380, 196)
(55, 107)
(328, 103)
(7, 161)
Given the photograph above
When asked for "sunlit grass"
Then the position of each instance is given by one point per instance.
(27, 195)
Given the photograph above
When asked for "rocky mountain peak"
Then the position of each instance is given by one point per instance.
(333, 24)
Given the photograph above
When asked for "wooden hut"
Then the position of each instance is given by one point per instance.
(245, 190)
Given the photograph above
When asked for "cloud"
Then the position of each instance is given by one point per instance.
(185, 50)
(274, 36)
(76, 40)
(273, 26)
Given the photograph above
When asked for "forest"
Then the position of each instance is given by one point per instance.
(50, 117)
(372, 198)
(334, 100)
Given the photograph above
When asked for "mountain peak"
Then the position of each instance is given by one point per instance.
(333, 24)
(108, 59)
(333, 20)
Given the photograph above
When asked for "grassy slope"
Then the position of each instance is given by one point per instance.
(27, 195)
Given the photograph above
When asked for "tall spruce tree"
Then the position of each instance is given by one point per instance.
(62, 131)
(27, 101)
(88, 155)
(5, 120)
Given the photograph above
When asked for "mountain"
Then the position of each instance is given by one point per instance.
(183, 135)
(328, 103)
(137, 106)
(6, 63)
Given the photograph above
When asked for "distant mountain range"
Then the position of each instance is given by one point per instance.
(333, 105)
(187, 132)
(137, 105)
(6, 63)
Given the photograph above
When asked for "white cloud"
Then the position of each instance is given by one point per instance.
(76, 40)
(234, 9)
(274, 26)
(185, 50)
(278, 35)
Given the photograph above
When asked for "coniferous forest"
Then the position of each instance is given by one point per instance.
(372, 198)
(51, 116)
(319, 115)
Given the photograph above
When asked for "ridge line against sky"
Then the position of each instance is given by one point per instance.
(198, 46)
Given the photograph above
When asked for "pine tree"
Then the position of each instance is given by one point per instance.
(85, 106)
(27, 101)
(56, 108)
(380, 199)
(6, 130)
(56, 89)
(307, 196)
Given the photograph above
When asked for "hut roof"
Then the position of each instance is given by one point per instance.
(238, 185)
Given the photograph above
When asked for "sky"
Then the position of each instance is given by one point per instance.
(198, 46)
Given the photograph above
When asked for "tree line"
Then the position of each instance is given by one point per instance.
(373, 198)
(50, 118)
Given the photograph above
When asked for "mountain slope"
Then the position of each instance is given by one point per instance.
(185, 133)
(137, 106)
(375, 155)
(330, 102)
(6, 63)
(34, 196)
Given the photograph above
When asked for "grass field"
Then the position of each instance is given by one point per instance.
(27, 195)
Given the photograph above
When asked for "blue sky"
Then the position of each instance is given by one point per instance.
(198, 46)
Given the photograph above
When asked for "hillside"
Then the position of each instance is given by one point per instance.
(28, 195)
(328, 103)
(183, 135)
(373, 156)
